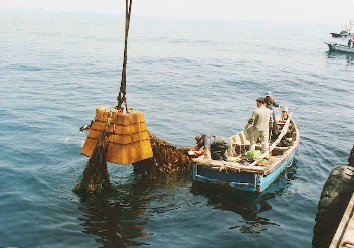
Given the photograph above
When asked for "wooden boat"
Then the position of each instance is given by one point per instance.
(339, 48)
(241, 174)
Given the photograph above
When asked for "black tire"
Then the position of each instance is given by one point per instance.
(335, 197)
(351, 158)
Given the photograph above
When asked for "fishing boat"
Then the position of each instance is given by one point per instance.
(242, 174)
(339, 47)
(346, 31)
(342, 34)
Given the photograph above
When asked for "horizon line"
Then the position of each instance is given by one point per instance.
(19, 9)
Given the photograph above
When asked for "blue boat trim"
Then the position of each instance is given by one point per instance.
(257, 183)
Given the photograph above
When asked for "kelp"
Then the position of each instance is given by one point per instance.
(95, 176)
(167, 159)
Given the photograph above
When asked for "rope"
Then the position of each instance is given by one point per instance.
(108, 121)
(123, 85)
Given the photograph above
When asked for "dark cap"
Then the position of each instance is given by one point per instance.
(260, 99)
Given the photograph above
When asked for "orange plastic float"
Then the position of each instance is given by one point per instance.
(128, 138)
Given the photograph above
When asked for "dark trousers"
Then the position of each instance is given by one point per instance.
(275, 131)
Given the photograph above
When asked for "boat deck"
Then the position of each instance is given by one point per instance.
(265, 169)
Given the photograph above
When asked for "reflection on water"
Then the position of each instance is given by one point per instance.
(349, 57)
(247, 204)
(117, 218)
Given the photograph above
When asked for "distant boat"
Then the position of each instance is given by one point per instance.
(256, 176)
(339, 48)
(343, 34)
(346, 32)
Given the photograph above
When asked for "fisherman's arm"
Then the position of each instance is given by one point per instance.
(207, 144)
(196, 148)
(251, 120)
(205, 151)
(199, 152)
(278, 105)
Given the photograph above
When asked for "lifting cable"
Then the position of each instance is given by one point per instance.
(123, 85)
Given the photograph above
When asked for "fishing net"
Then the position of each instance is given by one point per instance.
(166, 159)
(95, 176)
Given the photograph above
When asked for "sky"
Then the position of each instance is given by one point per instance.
(294, 11)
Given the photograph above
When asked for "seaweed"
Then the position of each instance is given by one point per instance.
(167, 159)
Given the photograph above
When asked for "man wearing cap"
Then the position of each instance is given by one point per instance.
(270, 103)
(260, 120)
(214, 147)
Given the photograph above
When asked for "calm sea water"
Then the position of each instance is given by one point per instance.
(187, 76)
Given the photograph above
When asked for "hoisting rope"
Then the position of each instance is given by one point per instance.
(123, 85)
(108, 121)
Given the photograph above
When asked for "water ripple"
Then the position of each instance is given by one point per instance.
(55, 69)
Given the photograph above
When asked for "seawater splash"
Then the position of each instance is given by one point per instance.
(66, 139)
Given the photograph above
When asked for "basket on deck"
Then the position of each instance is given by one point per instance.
(128, 138)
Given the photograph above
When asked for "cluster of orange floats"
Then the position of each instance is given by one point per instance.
(128, 137)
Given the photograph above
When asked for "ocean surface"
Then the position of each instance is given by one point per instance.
(187, 76)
